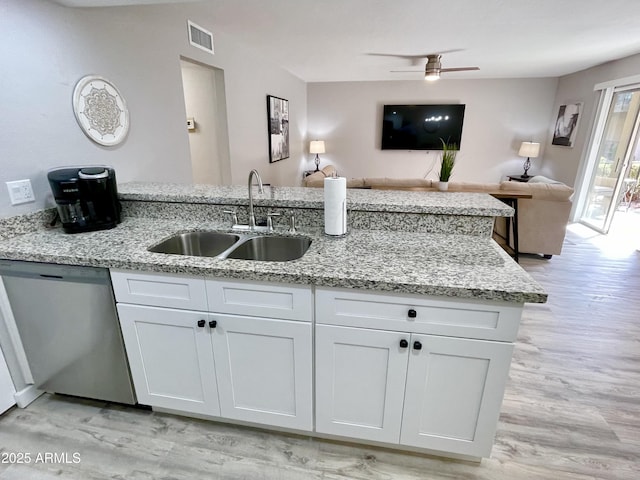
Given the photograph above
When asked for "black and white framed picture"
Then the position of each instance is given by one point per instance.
(278, 118)
(564, 133)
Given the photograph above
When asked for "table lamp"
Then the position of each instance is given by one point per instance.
(529, 150)
(317, 146)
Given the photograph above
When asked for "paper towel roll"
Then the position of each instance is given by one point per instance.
(335, 205)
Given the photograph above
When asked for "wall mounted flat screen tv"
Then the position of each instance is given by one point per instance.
(420, 127)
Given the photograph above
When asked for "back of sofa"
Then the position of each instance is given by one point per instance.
(473, 187)
(558, 192)
(542, 219)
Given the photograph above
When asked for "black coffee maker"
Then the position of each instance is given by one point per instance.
(86, 197)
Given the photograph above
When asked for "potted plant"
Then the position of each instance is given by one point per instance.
(449, 152)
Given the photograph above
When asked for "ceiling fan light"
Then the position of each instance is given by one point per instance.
(431, 76)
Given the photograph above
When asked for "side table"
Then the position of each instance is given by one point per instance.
(511, 199)
(519, 178)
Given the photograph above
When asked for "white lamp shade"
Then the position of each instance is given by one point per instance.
(529, 149)
(317, 146)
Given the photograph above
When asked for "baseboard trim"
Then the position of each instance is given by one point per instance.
(27, 395)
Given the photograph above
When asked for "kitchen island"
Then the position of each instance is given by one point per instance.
(398, 334)
(404, 248)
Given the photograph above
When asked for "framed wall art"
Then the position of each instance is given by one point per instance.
(278, 125)
(564, 133)
(100, 110)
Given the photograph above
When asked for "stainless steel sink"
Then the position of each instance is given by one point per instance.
(199, 244)
(271, 249)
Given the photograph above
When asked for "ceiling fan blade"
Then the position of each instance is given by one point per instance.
(440, 52)
(415, 59)
(396, 55)
(406, 71)
(411, 57)
(459, 69)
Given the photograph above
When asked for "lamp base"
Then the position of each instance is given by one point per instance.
(527, 166)
(317, 160)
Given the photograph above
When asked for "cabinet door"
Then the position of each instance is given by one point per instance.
(360, 381)
(454, 392)
(170, 358)
(264, 370)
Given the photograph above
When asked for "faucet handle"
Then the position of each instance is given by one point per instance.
(234, 216)
(292, 224)
(270, 220)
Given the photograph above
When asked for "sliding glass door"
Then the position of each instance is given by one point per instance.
(613, 160)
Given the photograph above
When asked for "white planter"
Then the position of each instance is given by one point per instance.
(443, 186)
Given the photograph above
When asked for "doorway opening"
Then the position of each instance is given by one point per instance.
(613, 182)
(206, 107)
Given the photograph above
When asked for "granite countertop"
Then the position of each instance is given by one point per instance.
(432, 264)
(440, 203)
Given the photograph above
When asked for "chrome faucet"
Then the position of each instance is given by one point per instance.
(252, 217)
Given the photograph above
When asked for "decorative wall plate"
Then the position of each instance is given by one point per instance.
(100, 110)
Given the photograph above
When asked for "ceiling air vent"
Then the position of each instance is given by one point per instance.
(200, 37)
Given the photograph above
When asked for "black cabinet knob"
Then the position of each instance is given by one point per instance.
(412, 313)
(213, 323)
(404, 343)
(201, 323)
(417, 345)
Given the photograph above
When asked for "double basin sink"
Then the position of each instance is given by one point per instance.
(267, 248)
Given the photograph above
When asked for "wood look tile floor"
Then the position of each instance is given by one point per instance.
(571, 409)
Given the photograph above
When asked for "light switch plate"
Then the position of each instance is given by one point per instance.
(20, 191)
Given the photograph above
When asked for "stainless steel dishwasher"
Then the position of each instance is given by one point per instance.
(69, 329)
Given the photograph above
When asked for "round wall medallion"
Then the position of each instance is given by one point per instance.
(100, 110)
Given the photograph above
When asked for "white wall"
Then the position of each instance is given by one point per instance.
(46, 48)
(563, 163)
(499, 115)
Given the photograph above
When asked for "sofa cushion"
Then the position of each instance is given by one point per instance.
(316, 179)
(541, 191)
(543, 179)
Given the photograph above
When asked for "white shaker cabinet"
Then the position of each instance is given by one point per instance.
(264, 370)
(404, 371)
(360, 380)
(170, 358)
(263, 350)
(422, 391)
(412, 379)
(454, 393)
(248, 357)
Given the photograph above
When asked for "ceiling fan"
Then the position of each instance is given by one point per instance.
(433, 68)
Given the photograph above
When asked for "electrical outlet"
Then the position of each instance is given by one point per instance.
(20, 191)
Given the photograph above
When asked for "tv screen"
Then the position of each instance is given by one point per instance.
(420, 127)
